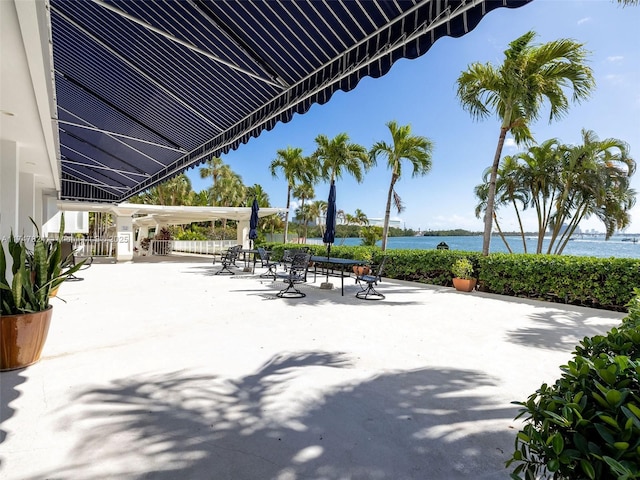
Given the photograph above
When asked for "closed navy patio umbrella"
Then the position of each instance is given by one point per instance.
(253, 223)
(330, 228)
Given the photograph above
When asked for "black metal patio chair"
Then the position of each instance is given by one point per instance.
(296, 273)
(266, 262)
(287, 255)
(368, 292)
(228, 259)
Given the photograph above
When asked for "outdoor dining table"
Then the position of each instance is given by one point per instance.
(247, 254)
(341, 264)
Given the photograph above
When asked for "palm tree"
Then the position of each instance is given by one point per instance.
(516, 91)
(482, 192)
(347, 219)
(175, 191)
(317, 211)
(595, 180)
(272, 223)
(213, 168)
(338, 155)
(566, 184)
(257, 192)
(304, 191)
(540, 168)
(360, 218)
(201, 199)
(414, 148)
(509, 191)
(295, 168)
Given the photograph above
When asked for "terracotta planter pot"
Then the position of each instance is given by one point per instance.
(361, 270)
(464, 284)
(22, 338)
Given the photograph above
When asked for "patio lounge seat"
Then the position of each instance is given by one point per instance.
(228, 259)
(368, 292)
(265, 262)
(296, 273)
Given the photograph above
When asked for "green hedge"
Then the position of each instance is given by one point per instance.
(593, 282)
(605, 283)
(587, 424)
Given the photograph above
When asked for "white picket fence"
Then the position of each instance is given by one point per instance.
(203, 247)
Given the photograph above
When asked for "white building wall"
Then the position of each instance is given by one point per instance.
(9, 180)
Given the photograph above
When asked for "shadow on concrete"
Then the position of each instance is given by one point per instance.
(559, 329)
(276, 424)
(9, 382)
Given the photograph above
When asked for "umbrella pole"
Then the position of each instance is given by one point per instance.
(328, 256)
(326, 285)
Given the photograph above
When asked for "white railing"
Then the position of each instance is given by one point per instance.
(203, 247)
(93, 247)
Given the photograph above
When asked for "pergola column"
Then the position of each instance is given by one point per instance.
(124, 238)
(243, 233)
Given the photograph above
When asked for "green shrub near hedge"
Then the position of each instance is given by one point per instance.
(587, 425)
(588, 281)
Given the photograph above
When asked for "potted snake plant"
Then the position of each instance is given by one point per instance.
(24, 302)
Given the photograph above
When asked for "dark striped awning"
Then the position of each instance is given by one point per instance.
(146, 89)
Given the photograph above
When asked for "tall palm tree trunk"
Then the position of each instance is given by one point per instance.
(524, 240)
(387, 214)
(488, 216)
(286, 215)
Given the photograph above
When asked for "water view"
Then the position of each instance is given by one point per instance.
(620, 246)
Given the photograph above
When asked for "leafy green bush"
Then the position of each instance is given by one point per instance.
(587, 425)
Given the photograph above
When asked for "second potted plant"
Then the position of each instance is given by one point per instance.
(25, 311)
(463, 278)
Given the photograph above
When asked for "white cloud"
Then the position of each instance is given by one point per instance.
(615, 58)
(584, 20)
(510, 143)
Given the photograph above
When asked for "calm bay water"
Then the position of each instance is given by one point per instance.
(587, 246)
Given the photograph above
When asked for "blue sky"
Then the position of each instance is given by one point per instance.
(421, 92)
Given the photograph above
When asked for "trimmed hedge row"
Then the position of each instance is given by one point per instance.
(605, 283)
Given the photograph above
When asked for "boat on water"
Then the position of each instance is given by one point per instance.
(629, 239)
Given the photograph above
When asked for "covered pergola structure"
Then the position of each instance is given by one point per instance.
(103, 99)
(133, 221)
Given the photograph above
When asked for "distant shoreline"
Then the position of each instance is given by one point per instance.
(467, 233)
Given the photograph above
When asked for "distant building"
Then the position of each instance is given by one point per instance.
(564, 228)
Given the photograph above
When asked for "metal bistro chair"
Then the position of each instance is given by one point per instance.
(297, 273)
(228, 259)
(265, 261)
(368, 292)
(287, 255)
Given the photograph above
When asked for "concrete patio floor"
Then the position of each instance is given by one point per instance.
(162, 370)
